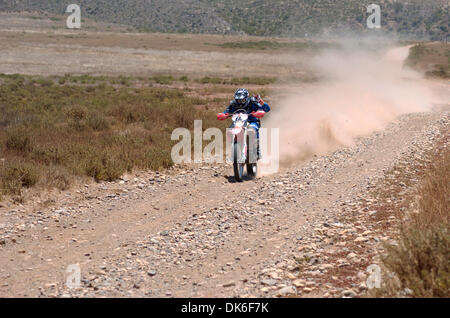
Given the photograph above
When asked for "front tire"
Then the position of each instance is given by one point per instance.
(252, 166)
(252, 170)
(237, 167)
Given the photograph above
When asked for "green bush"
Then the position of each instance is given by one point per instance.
(97, 122)
(17, 175)
(58, 178)
(19, 139)
(109, 166)
(157, 158)
(163, 79)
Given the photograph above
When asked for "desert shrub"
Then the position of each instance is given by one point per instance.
(163, 79)
(76, 116)
(130, 113)
(211, 80)
(19, 174)
(420, 260)
(439, 71)
(157, 158)
(57, 177)
(260, 45)
(97, 121)
(77, 113)
(184, 116)
(19, 139)
(237, 81)
(431, 58)
(124, 81)
(50, 154)
(43, 82)
(106, 166)
(253, 80)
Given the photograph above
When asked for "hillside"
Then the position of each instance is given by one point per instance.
(155, 15)
(412, 18)
(408, 19)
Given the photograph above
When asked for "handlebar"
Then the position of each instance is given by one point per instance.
(258, 114)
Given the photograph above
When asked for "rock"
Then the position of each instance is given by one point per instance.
(362, 287)
(351, 255)
(348, 293)
(154, 241)
(299, 283)
(274, 275)
(407, 292)
(265, 289)
(289, 290)
(291, 276)
(229, 284)
(269, 282)
(361, 275)
(151, 273)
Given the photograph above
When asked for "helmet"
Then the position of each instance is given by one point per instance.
(241, 96)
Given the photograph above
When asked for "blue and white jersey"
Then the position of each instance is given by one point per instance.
(252, 105)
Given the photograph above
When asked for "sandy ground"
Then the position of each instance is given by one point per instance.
(32, 46)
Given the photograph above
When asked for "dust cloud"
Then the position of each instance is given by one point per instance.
(361, 91)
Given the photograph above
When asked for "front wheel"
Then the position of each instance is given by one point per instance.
(252, 170)
(237, 167)
(252, 166)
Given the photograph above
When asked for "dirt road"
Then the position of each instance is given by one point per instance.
(195, 233)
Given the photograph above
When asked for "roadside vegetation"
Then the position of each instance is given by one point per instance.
(431, 58)
(237, 81)
(129, 81)
(274, 45)
(421, 258)
(54, 129)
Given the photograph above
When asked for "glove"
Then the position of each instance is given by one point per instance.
(259, 114)
(222, 116)
(258, 100)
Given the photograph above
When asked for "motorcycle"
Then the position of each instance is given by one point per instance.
(244, 145)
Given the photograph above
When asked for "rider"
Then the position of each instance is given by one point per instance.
(242, 100)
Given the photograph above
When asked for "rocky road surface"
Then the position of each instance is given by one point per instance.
(194, 233)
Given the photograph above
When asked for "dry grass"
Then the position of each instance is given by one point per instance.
(431, 58)
(51, 133)
(145, 55)
(420, 260)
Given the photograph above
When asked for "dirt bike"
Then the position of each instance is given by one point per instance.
(244, 145)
